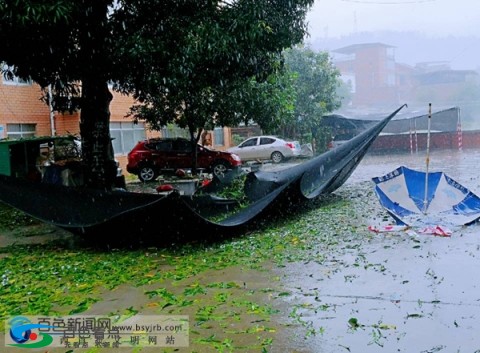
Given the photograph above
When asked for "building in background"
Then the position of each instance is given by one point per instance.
(23, 114)
(379, 83)
(372, 65)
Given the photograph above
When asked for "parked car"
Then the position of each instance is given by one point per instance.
(149, 157)
(267, 148)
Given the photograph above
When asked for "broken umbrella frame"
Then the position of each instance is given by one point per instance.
(416, 198)
(446, 202)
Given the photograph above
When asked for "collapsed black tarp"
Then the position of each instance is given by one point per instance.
(97, 213)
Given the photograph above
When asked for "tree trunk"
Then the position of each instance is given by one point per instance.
(193, 142)
(97, 151)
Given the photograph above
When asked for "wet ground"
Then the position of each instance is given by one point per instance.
(460, 165)
(389, 292)
(352, 290)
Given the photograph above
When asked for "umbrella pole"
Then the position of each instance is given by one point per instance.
(425, 199)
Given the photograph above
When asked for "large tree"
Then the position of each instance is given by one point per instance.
(202, 86)
(170, 54)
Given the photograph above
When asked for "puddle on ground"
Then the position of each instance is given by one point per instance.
(404, 294)
(459, 165)
(390, 292)
(34, 234)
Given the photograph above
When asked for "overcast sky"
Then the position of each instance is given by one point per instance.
(334, 18)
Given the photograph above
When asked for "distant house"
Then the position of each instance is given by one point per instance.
(379, 81)
(373, 67)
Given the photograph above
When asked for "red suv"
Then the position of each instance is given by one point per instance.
(149, 157)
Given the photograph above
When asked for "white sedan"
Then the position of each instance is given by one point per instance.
(266, 148)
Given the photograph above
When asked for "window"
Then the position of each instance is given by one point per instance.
(18, 131)
(249, 143)
(125, 135)
(266, 141)
(218, 137)
(162, 146)
(183, 146)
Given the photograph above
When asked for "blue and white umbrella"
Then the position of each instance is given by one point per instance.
(417, 198)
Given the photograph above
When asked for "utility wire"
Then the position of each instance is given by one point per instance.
(397, 2)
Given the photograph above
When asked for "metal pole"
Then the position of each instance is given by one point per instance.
(53, 130)
(411, 137)
(416, 136)
(425, 200)
(459, 131)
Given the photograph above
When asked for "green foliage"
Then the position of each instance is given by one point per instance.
(222, 68)
(271, 103)
(235, 191)
(353, 322)
(191, 63)
(237, 139)
(11, 218)
(315, 82)
(344, 92)
(237, 310)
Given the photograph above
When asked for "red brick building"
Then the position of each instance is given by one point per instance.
(373, 66)
(23, 114)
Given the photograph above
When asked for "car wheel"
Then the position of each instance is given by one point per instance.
(277, 157)
(147, 173)
(219, 168)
